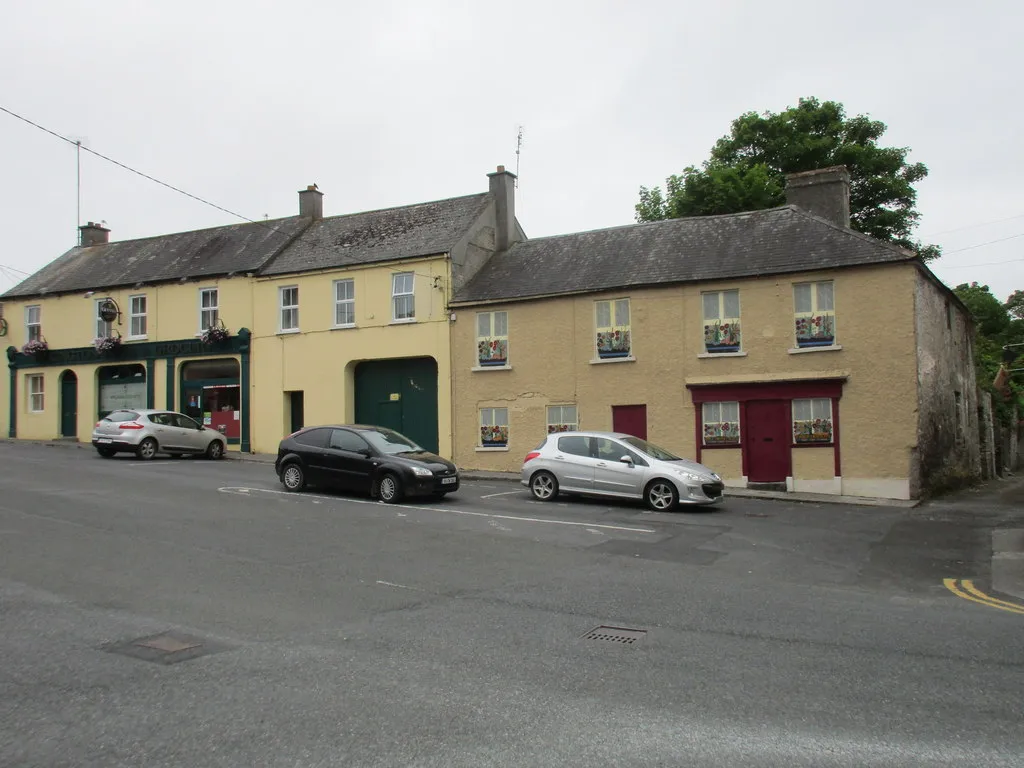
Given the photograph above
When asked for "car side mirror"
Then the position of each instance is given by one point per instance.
(627, 460)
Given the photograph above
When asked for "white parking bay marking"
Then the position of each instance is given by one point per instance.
(503, 493)
(242, 491)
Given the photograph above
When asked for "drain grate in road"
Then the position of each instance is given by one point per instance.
(165, 648)
(621, 635)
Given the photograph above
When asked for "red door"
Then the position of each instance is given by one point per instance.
(768, 439)
(630, 420)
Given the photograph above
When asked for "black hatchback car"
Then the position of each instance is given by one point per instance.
(372, 460)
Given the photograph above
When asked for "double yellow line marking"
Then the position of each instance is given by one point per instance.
(966, 589)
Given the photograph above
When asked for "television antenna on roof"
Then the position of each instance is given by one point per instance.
(519, 147)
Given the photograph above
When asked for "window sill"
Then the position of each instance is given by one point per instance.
(491, 449)
(403, 322)
(287, 331)
(491, 368)
(812, 445)
(711, 355)
(603, 361)
(804, 350)
(347, 327)
(719, 446)
(136, 338)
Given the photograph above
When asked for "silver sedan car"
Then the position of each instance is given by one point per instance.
(146, 432)
(614, 464)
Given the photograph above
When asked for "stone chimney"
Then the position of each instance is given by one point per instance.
(503, 189)
(311, 202)
(824, 192)
(91, 233)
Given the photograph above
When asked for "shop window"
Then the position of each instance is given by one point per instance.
(562, 418)
(721, 423)
(812, 420)
(613, 330)
(721, 321)
(492, 338)
(814, 314)
(494, 427)
(36, 393)
(121, 387)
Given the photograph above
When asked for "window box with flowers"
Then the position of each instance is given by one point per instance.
(493, 428)
(108, 345)
(216, 335)
(812, 421)
(37, 348)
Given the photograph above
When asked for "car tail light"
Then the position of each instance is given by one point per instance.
(97, 424)
(531, 455)
(129, 425)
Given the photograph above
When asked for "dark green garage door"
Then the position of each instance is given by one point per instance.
(401, 395)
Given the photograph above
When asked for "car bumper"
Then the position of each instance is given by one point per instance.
(703, 493)
(113, 444)
(430, 486)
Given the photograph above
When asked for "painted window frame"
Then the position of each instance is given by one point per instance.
(209, 315)
(816, 326)
(104, 328)
(348, 303)
(717, 430)
(561, 424)
(292, 308)
(492, 344)
(402, 296)
(135, 315)
(614, 336)
(32, 394)
(34, 330)
(804, 429)
(494, 430)
(722, 330)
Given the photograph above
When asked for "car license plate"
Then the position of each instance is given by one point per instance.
(103, 440)
(448, 480)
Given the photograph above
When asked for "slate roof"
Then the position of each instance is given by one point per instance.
(200, 253)
(773, 241)
(423, 229)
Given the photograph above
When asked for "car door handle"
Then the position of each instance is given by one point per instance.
(601, 464)
(560, 458)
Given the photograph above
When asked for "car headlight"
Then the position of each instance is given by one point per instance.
(689, 476)
(421, 472)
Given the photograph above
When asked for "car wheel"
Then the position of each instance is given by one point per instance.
(389, 488)
(106, 453)
(293, 478)
(215, 450)
(661, 496)
(147, 449)
(544, 486)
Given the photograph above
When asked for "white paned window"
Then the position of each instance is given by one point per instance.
(35, 386)
(344, 303)
(562, 418)
(814, 314)
(721, 321)
(34, 323)
(104, 328)
(812, 420)
(494, 427)
(403, 300)
(138, 316)
(612, 321)
(289, 296)
(492, 338)
(209, 312)
(721, 423)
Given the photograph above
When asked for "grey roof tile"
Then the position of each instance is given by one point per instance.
(773, 241)
(423, 229)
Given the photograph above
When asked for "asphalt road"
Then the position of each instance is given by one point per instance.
(324, 630)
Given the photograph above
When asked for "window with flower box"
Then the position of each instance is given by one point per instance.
(36, 393)
(208, 308)
(721, 423)
(494, 427)
(492, 338)
(812, 420)
(613, 333)
(562, 418)
(814, 314)
(33, 323)
(104, 328)
(721, 322)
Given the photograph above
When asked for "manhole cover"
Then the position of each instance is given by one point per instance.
(620, 635)
(165, 648)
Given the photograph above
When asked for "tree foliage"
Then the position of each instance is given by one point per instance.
(747, 167)
(996, 325)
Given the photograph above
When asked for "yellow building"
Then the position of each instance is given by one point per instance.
(779, 347)
(314, 320)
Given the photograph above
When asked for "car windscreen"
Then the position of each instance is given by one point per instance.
(390, 442)
(651, 450)
(118, 416)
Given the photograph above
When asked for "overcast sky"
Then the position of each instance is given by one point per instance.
(402, 101)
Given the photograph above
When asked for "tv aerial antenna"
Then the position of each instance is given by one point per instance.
(519, 148)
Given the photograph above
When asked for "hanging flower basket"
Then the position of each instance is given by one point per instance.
(37, 348)
(108, 345)
(216, 334)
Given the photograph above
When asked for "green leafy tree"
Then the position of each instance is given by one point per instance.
(995, 326)
(746, 171)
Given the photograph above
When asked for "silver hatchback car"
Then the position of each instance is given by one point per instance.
(614, 464)
(146, 432)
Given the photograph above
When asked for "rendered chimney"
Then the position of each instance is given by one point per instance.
(93, 234)
(311, 202)
(824, 192)
(503, 188)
